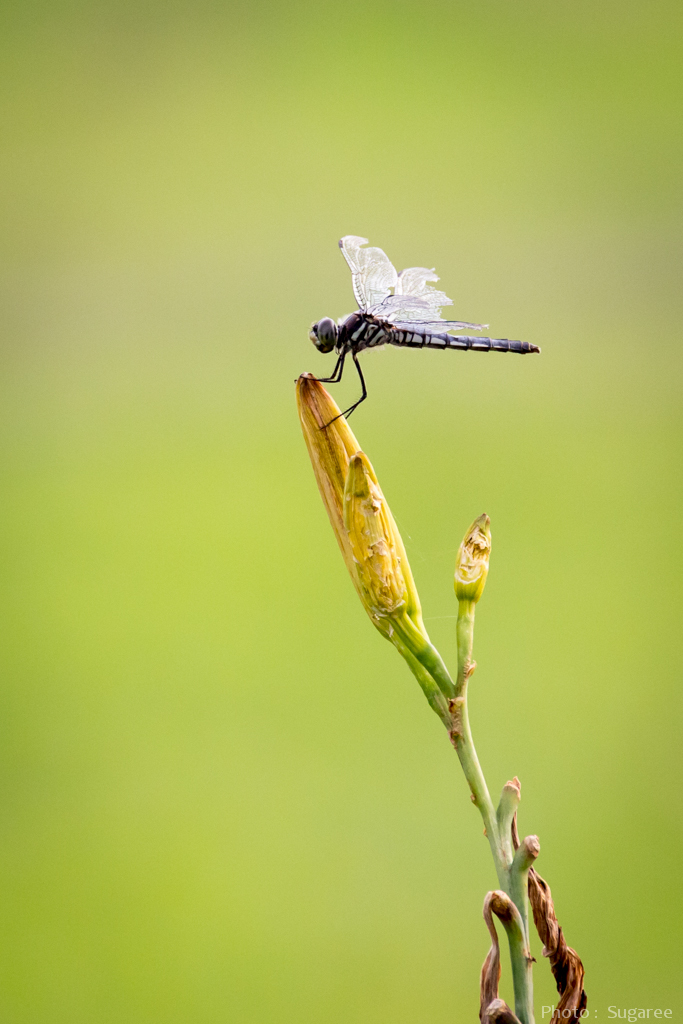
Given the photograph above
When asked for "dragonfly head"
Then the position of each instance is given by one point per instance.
(323, 334)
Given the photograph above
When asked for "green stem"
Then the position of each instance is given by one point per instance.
(505, 815)
(424, 652)
(449, 701)
(520, 957)
(519, 878)
(437, 701)
(461, 735)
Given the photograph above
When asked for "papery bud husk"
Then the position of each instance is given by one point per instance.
(472, 562)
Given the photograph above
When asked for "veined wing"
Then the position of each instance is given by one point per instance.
(407, 307)
(418, 311)
(372, 272)
(414, 299)
(414, 280)
(436, 326)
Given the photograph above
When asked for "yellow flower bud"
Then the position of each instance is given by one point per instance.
(372, 535)
(369, 539)
(330, 448)
(363, 525)
(472, 563)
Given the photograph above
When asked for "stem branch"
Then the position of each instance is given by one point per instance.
(509, 915)
(519, 877)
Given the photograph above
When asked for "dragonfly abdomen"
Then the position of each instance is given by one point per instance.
(464, 342)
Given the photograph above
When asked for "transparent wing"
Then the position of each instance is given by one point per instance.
(372, 272)
(414, 282)
(405, 307)
(407, 310)
(436, 326)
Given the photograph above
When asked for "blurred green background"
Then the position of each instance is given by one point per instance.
(224, 797)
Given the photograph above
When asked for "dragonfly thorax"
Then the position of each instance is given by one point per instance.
(323, 334)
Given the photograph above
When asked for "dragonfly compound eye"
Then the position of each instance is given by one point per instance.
(324, 334)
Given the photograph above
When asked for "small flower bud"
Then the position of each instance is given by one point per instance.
(472, 563)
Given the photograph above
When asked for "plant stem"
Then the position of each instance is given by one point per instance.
(505, 816)
(449, 701)
(431, 691)
(461, 736)
(511, 920)
(424, 652)
(519, 878)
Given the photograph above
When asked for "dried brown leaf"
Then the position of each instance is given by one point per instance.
(565, 962)
(500, 1013)
(490, 972)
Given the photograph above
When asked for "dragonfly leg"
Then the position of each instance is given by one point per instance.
(347, 412)
(336, 373)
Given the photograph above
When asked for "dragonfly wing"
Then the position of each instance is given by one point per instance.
(372, 272)
(403, 307)
(415, 281)
(417, 310)
(436, 326)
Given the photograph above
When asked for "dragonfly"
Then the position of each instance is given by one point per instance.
(395, 309)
